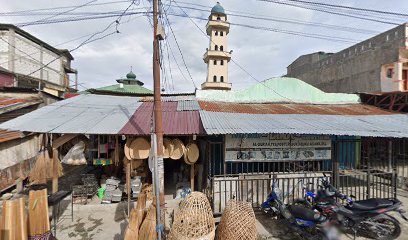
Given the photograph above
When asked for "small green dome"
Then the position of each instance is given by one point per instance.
(131, 75)
(218, 9)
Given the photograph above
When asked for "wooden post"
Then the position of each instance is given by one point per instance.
(55, 170)
(192, 174)
(117, 151)
(128, 170)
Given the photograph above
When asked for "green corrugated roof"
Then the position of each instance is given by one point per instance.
(127, 88)
(280, 89)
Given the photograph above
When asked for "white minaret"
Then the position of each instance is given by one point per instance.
(217, 55)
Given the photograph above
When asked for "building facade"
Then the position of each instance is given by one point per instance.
(217, 55)
(378, 64)
(34, 63)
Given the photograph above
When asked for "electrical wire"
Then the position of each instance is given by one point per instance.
(282, 20)
(181, 53)
(235, 62)
(58, 14)
(348, 7)
(330, 12)
(88, 40)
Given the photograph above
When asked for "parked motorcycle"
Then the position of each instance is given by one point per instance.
(306, 222)
(368, 217)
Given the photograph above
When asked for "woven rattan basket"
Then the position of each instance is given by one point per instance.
(191, 153)
(178, 149)
(237, 222)
(194, 219)
(139, 148)
(167, 147)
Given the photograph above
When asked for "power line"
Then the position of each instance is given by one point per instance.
(289, 32)
(67, 11)
(25, 12)
(282, 20)
(88, 40)
(348, 7)
(242, 68)
(178, 46)
(330, 12)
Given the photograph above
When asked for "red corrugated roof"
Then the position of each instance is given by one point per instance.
(174, 122)
(274, 108)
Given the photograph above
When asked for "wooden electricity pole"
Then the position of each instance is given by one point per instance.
(158, 122)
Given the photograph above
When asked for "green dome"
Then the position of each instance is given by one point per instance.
(131, 75)
(218, 9)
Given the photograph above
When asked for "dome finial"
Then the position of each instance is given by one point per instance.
(218, 9)
(131, 75)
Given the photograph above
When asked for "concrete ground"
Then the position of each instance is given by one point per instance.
(108, 221)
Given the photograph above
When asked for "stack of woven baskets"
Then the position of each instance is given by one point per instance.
(194, 219)
(237, 222)
(175, 149)
(138, 148)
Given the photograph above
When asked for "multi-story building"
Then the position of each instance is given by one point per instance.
(34, 63)
(378, 64)
(217, 56)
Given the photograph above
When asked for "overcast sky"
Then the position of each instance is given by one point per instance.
(262, 54)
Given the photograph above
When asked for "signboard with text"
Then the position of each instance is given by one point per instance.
(276, 147)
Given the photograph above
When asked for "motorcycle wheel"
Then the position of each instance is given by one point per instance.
(389, 229)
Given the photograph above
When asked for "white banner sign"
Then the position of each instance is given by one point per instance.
(275, 147)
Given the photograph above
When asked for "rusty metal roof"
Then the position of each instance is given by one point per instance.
(276, 108)
(6, 135)
(8, 104)
(174, 122)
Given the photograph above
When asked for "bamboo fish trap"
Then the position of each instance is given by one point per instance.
(194, 219)
(237, 222)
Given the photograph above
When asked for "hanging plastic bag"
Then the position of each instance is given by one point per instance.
(75, 155)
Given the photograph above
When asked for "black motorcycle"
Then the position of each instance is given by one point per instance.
(307, 223)
(368, 217)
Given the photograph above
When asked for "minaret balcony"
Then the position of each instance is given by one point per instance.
(216, 85)
(220, 25)
(216, 54)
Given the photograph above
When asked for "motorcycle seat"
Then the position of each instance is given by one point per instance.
(306, 214)
(371, 204)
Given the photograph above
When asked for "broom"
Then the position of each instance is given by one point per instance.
(136, 218)
(148, 228)
(140, 209)
(39, 172)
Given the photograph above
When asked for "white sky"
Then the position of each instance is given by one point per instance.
(263, 54)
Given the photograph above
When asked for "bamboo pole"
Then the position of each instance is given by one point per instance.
(55, 170)
(192, 176)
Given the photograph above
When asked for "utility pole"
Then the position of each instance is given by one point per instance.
(158, 122)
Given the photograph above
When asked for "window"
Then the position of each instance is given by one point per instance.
(222, 62)
(221, 48)
(216, 33)
(214, 78)
(221, 33)
(216, 47)
(215, 62)
(222, 79)
(218, 18)
(389, 73)
(387, 38)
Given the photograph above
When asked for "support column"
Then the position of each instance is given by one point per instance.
(398, 75)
